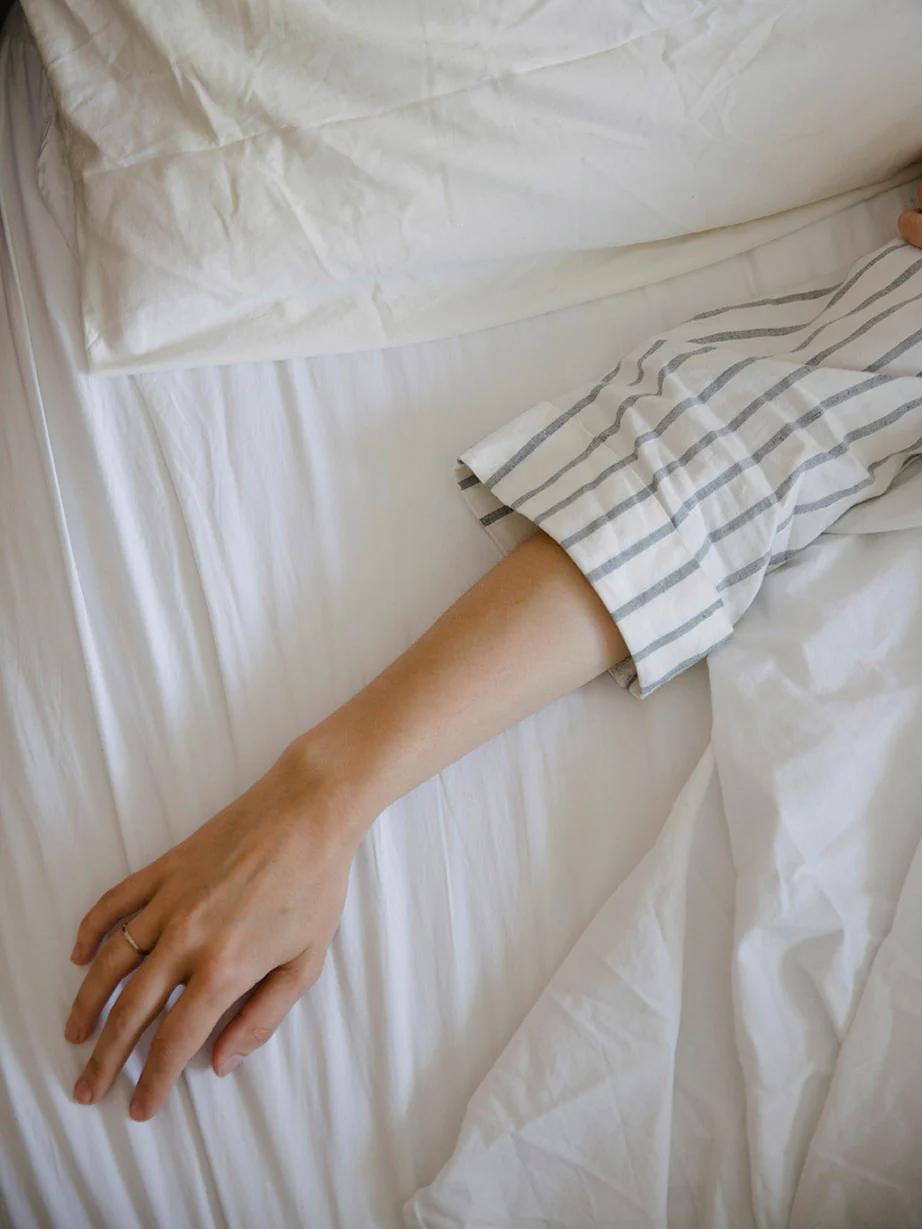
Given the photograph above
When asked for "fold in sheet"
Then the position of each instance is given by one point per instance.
(734, 1040)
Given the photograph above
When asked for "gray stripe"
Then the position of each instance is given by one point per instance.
(496, 515)
(817, 359)
(536, 440)
(786, 329)
(747, 514)
(530, 445)
(656, 479)
(821, 458)
(743, 573)
(470, 481)
(775, 302)
(785, 556)
(668, 367)
(735, 577)
(597, 440)
(661, 586)
(897, 350)
(776, 440)
(843, 288)
(828, 500)
(684, 665)
(847, 285)
(679, 408)
(676, 632)
(868, 324)
(658, 344)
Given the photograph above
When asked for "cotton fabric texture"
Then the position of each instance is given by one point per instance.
(713, 453)
(284, 180)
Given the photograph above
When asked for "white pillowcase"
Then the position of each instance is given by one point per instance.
(278, 179)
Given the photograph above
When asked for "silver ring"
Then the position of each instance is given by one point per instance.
(139, 950)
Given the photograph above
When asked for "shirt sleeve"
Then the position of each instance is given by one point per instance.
(714, 453)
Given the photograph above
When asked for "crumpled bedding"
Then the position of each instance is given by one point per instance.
(198, 564)
(735, 1039)
(305, 178)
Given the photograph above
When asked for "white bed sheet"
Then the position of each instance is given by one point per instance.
(193, 567)
(734, 1041)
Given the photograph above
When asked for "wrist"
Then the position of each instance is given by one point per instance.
(325, 763)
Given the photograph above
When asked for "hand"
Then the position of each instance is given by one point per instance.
(910, 223)
(253, 897)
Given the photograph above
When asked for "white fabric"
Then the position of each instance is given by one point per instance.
(734, 1041)
(195, 566)
(301, 178)
(713, 453)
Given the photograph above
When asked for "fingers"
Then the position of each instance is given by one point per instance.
(126, 897)
(263, 1012)
(910, 224)
(182, 1034)
(115, 960)
(139, 1003)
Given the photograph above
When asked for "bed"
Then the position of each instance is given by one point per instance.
(199, 562)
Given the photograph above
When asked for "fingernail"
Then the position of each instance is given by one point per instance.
(83, 1092)
(75, 954)
(138, 1109)
(228, 1065)
(71, 1032)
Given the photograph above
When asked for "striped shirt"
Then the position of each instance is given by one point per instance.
(713, 453)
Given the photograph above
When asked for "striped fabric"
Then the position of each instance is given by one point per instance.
(713, 453)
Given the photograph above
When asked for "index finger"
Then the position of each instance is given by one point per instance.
(185, 1029)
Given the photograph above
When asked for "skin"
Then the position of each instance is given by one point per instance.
(910, 223)
(254, 896)
(246, 907)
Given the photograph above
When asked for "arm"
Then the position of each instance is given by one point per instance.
(715, 454)
(255, 894)
(253, 897)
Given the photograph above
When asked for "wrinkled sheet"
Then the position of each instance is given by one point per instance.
(736, 1039)
(295, 178)
(195, 566)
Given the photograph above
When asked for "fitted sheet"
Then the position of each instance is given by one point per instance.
(196, 565)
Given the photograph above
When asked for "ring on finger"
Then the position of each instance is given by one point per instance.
(137, 947)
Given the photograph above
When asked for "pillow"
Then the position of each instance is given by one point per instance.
(275, 180)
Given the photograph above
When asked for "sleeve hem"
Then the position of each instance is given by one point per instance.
(540, 472)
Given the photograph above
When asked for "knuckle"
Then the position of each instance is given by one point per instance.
(93, 1068)
(109, 956)
(218, 968)
(119, 1021)
(159, 1061)
(108, 899)
(123, 1017)
(180, 933)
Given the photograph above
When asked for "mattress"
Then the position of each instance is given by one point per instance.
(197, 565)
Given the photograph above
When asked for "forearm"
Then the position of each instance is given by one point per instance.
(532, 629)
